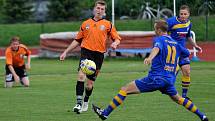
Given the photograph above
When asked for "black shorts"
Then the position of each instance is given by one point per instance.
(95, 56)
(20, 71)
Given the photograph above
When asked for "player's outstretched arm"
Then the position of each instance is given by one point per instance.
(73, 45)
(16, 77)
(153, 53)
(28, 64)
(190, 39)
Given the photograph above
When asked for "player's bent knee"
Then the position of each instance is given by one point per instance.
(26, 85)
(124, 88)
(81, 77)
(186, 70)
(186, 74)
(89, 85)
(25, 82)
(8, 84)
(175, 98)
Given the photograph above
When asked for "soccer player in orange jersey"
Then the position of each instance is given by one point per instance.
(92, 39)
(15, 64)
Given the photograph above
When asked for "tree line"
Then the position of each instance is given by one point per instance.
(21, 11)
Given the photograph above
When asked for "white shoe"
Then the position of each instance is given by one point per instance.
(77, 108)
(85, 106)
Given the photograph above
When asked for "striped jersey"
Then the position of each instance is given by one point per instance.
(179, 30)
(165, 63)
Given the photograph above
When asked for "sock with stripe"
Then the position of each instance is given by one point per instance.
(117, 100)
(185, 85)
(190, 106)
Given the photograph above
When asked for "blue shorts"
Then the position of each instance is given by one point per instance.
(149, 84)
(183, 61)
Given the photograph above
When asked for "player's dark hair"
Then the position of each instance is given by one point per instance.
(15, 39)
(162, 25)
(101, 2)
(185, 7)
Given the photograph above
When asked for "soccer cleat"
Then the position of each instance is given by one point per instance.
(85, 106)
(77, 108)
(99, 111)
(205, 118)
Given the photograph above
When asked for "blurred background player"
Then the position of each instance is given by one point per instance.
(164, 59)
(179, 29)
(92, 39)
(15, 64)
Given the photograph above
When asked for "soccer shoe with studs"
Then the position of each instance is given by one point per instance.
(77, 108)
(99, 111)
(85, 106)
(205, 118)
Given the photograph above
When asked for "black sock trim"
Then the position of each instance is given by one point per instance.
(87, 94)
(80, 88)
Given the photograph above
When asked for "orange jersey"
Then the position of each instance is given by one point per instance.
(16, 58)
(93, 34)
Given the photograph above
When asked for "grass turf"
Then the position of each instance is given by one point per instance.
(52, 93)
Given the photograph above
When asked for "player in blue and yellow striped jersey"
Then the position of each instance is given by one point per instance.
(179, 29)
(164, 59)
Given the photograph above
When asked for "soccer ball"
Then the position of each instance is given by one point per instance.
(88, 66)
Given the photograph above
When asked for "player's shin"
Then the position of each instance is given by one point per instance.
(79, 91)
(190, 106)
(117, 100)
(88, 93)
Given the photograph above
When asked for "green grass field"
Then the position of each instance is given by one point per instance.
(52, 93)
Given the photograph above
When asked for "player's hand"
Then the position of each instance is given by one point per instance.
(16, 78)
(114, 45)
(62, 56)
(147, 61)
(198, 48)
(28, 66)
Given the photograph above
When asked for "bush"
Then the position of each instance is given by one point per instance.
(15, 11)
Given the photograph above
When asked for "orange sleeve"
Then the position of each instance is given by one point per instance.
(80, 34)
(9, 58)
(113, 33)
(28, 52)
